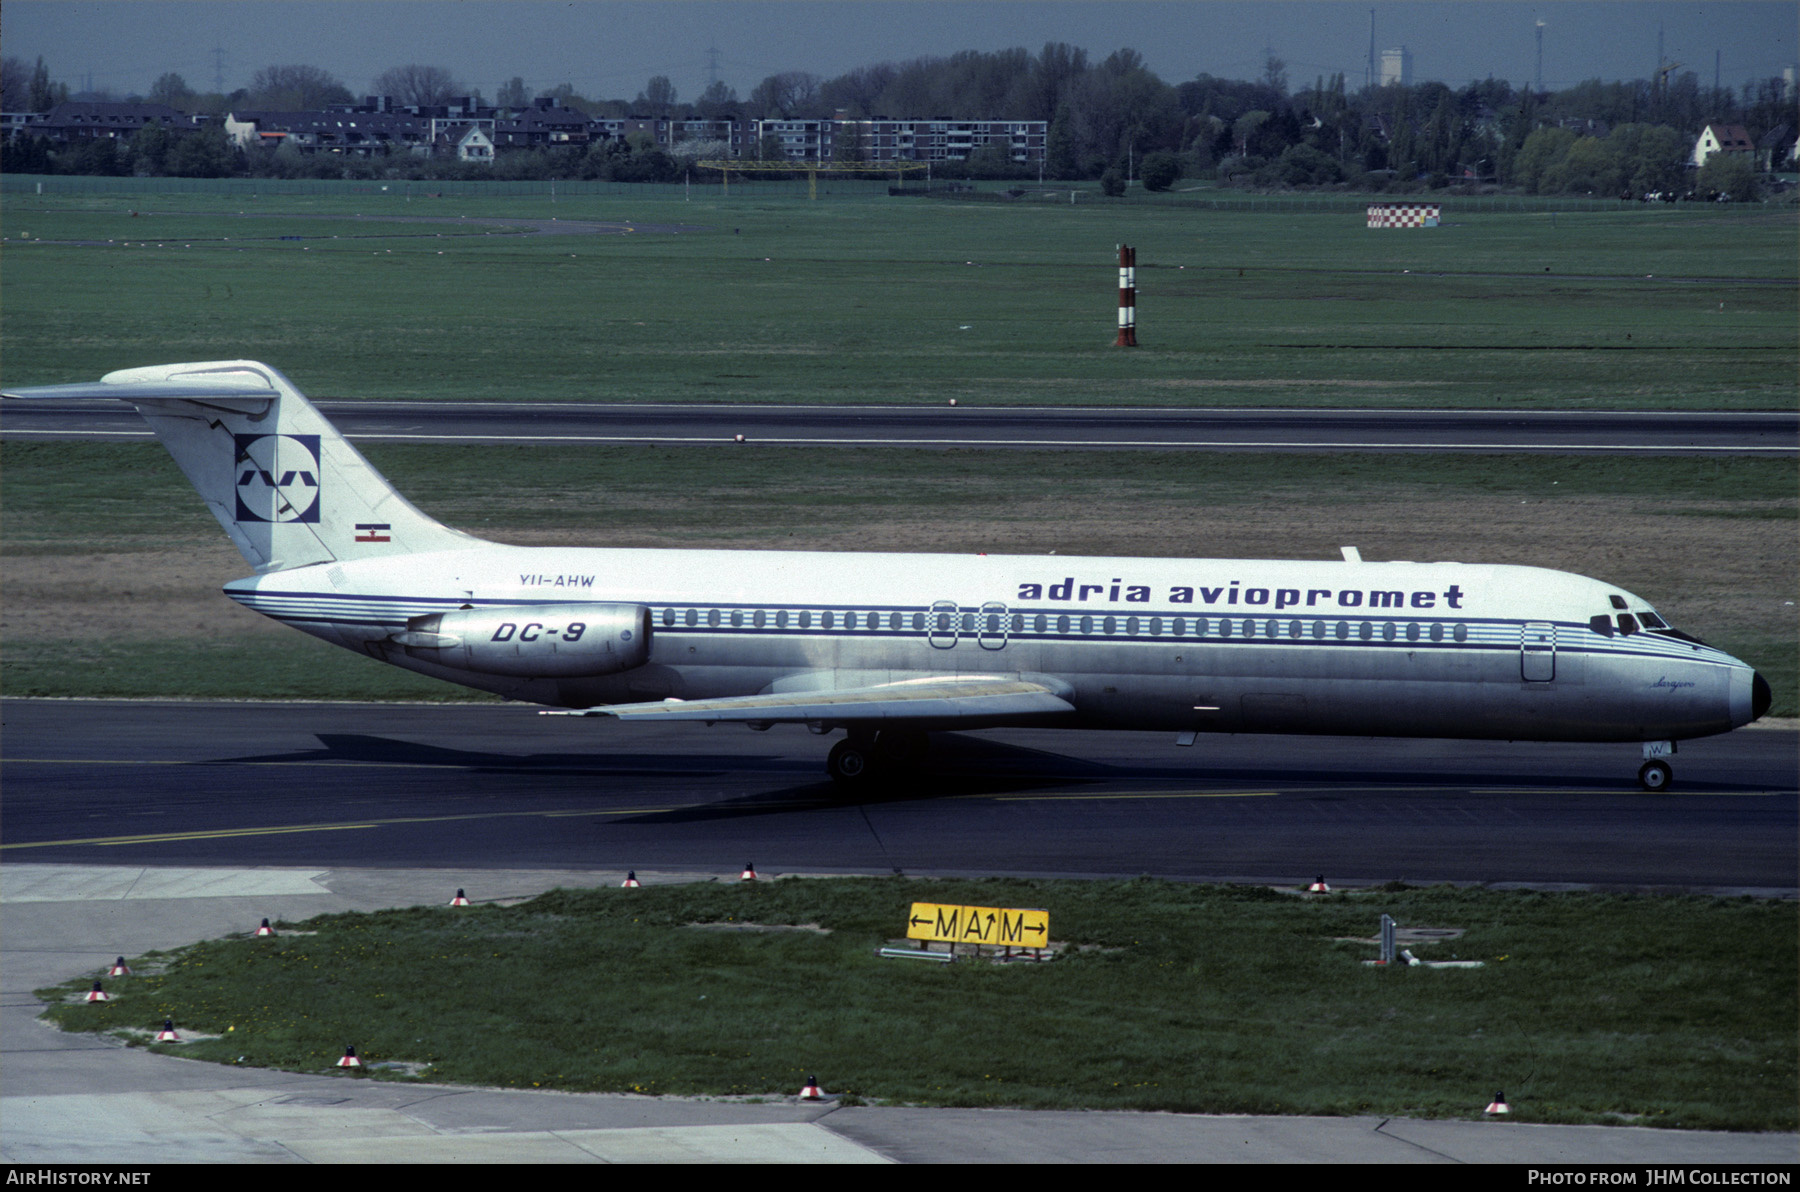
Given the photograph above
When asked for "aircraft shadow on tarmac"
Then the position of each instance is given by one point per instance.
(368, 749)
(959, 766)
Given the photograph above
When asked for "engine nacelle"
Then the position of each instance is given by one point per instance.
(561, 641)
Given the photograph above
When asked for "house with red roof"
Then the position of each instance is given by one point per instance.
(1722, 138)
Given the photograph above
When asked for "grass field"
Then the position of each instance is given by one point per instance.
(876, 299)
(870, 298)
(1588, 1008)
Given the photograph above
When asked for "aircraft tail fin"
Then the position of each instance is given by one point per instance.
(288, 488)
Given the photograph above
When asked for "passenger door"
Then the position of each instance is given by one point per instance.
(1537, 652)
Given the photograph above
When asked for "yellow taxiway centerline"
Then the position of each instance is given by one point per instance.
(1131, 795)
(353, 825)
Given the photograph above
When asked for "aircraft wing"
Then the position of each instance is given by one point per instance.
(947, 698)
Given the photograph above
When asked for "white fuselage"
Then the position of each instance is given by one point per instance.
(1385, 649)
(886, 646)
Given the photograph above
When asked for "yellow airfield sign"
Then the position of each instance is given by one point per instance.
(999, 926)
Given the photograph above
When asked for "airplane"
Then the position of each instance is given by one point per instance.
(889, 647)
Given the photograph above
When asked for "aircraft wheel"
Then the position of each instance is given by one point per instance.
(1656, 775)
(850, 763)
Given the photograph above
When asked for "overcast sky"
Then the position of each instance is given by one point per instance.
(610, 50)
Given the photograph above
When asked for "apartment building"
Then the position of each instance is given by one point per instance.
(908, 140)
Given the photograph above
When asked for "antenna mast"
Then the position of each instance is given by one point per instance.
(1371, 76)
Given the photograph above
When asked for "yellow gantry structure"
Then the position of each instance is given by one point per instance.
(812, 169)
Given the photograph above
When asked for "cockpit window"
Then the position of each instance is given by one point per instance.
(1601, 624)
(1627, 623)
(1652, 621)
(1617, 601)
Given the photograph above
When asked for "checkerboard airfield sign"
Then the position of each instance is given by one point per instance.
(1009, 927)
(1403, 215)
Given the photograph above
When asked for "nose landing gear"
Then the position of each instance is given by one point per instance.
(1656, 774)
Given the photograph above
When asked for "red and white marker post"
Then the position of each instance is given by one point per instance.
(1127, 298)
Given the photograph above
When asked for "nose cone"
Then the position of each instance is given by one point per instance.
(1750, 696)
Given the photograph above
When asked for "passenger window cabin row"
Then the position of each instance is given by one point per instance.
(991, 623)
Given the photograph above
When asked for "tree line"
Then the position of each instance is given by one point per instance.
(1111, 119)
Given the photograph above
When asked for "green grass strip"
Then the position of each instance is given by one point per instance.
(1589, 1008)
(60, 491)
(289, 666)
(783, 300)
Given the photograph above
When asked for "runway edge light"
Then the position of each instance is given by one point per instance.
(119, 969)
(630, 882)
(461, 899)
(1498, 1105)
(97, 994)
(749, 874)
(265, 929)
(812, 1091)
(349, 1060)
(1318, 886)
(167, 1034)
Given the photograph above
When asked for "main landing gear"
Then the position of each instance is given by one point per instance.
(867, 756)
(849, 762)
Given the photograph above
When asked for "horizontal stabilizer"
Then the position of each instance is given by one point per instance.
(950, 698)
(245, 394)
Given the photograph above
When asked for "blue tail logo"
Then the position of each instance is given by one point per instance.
(277, 478)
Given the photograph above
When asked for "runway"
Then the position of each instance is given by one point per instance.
(498, 786)
(945, 426)
(147, 825)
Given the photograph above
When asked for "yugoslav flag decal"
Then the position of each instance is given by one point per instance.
(367, 532)
(277, 478)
